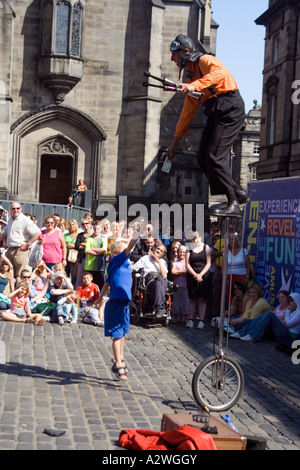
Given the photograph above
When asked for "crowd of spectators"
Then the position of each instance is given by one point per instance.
(56, 272)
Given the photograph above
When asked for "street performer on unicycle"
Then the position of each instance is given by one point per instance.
(218, 381)
(225, 111)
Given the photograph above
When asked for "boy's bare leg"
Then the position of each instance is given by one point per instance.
(118, 350)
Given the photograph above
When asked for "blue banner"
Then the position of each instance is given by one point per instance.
(272, 235)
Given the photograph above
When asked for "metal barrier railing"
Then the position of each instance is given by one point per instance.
(41, 210)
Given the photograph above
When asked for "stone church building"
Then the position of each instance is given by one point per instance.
(280, 114)
(73, 104)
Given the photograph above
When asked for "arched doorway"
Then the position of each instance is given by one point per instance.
(72, 136)
(57, 161)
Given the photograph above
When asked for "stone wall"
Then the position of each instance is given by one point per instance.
(117, 126)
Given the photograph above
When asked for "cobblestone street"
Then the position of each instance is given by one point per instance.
(60, 378)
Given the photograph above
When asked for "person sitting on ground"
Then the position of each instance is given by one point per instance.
(279, 312)
(59, 287)
(88, 291)
(20, 307)
(26, 276)
(239, 300)
(283, 305)
(6, 282)
(88, 294)
(257, 305)
(60, 268)
(7, 272)
(67, 308)
(41, 280)
(283, 329)
(155, 270)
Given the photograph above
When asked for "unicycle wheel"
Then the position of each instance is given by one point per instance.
(217, 383)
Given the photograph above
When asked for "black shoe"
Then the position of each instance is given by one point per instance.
(230, 210)
(241, 196)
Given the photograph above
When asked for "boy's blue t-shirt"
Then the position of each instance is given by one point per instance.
(119, 277)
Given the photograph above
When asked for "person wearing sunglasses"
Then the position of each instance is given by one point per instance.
(225, 111)
(19, 234)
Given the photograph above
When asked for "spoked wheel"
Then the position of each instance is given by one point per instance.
(217, 383)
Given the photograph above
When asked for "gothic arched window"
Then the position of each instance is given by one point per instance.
(62, 28)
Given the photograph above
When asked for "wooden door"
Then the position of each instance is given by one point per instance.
(56, 179)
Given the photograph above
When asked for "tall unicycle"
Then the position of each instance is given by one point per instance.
(218, 381)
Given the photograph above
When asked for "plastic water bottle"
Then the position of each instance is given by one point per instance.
(229, 423)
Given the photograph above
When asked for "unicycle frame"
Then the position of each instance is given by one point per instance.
(220, 363)
(220, 353)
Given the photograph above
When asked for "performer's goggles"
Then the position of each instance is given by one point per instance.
(175, 46)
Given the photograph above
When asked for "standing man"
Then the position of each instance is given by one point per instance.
(19, 234)
(225, 113)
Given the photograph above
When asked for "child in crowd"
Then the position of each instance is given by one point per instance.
(20, 307)
(116, 315)
(59, 268)
(180, 304)
(40, 281)
(88, 294)
(67, 308)
(88, 291)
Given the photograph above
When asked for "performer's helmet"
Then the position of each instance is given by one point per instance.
(181, 43)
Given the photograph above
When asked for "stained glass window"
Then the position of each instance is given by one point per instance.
(76, 30)
(62, 28)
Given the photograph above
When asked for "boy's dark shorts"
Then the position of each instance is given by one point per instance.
(116, 318)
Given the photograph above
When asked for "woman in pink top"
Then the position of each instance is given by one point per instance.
(54, 244)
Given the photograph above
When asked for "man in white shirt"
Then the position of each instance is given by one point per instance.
(156, 285)
(19, 234)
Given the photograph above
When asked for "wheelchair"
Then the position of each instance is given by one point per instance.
(141, 306)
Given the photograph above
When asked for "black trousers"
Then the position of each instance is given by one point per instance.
(156, 290)
(225, 119)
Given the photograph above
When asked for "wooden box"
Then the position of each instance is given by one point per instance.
(226, 439)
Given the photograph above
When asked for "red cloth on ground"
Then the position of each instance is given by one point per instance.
(184, 438)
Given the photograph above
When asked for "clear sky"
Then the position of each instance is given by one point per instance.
(241, 45)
